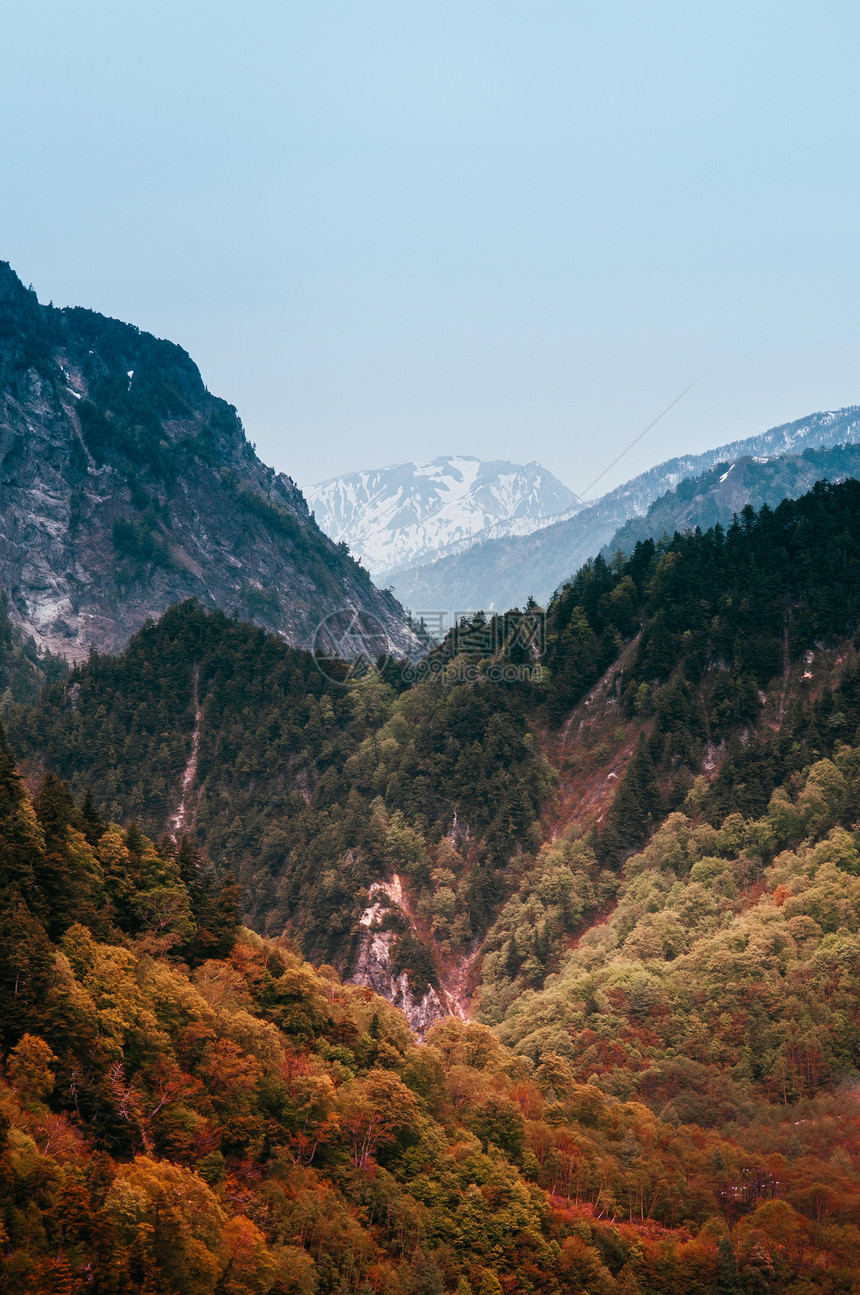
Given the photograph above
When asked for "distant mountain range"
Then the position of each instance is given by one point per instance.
(720, 494)
(504, 572)
(126, 486)
(414, 513)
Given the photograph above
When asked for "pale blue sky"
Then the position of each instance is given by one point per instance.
(512, 228)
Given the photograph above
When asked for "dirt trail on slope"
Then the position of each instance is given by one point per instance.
(181, 822)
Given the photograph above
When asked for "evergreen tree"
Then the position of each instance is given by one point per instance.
(513, 961)
(728, 1277)
(92, 822)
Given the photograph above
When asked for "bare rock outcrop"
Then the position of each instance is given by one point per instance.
(374, 965)
(126, 486)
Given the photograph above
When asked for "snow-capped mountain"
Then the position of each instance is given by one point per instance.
(414, 513)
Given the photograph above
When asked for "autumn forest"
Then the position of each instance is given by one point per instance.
(627, 904)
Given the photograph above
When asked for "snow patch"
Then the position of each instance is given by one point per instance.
(413, 513)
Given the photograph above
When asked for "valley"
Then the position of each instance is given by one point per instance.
(527, 959)
(429, 649)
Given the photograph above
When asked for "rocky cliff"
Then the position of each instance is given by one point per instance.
(126, 486)
(375, 966)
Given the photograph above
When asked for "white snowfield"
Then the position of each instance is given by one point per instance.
(414, 513)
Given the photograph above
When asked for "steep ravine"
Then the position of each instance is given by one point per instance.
(183, 820)
(374, 965)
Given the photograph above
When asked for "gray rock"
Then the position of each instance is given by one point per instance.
(126, 486)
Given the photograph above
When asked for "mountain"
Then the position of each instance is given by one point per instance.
(413, 801)
(416, 512)
(504, 572)
(631, 844)
(726, 489)
(125, 487)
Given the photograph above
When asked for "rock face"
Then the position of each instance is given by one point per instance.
(374, 966)
(125, 487)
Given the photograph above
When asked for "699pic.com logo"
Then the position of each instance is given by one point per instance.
(349, 643)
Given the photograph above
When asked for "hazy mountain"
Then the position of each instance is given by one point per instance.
(722, 492)
(125, 486)
(414, 513)
(502, 573)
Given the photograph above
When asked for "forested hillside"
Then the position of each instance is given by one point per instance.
(629, 835)
(315, 786)
(188, 1109)
(310, 790)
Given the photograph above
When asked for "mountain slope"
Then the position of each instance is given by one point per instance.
(416, 512)
(505, 572)
(413, 804)
(188, 1108)
(315, 788)
(125, 486)
(674, 956)
(724, 491)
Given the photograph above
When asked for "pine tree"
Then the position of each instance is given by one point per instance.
(54, 809)
(635, 809)
(93, 824)
(25, 968)
(728, 1277)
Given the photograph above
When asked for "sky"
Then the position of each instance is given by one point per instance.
(395, 229)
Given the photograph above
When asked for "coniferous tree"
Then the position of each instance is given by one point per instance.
(728, 1276)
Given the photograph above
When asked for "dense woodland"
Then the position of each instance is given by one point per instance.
(190, 1108)
(658, 1091)
(308, 789)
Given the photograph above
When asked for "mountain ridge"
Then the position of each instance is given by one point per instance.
(726, 489)
(126, 487)
(505, 572)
